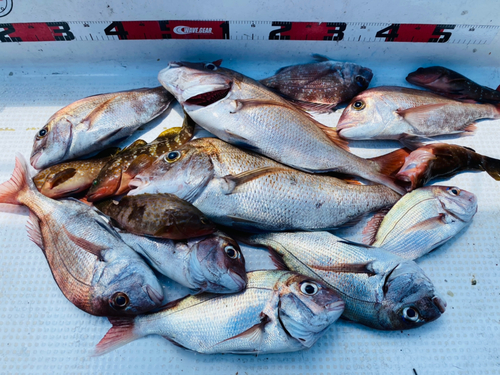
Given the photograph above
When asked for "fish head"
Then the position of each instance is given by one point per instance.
(183, 172)
(427, 76)
(217, 264)
(197, 85)
(51, 142)
(64, 184)
(359, 75)
(106, 184)
(457, 204)
(307, 307)
(362, 118)
(415, 169)
(409, 299)
(127, 287)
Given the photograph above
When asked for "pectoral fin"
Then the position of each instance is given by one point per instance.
(365, 268)
(417, 115)
(253, 334)
(140, 163)
(84, 244)
(234, 181)
(97, 112)
(61, 177)
(428, 224)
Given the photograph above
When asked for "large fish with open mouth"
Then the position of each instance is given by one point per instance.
(245, 113)
(278, 312)
(92, 266)
(380, 289)
(71, 177)
(250, 192)
(390, 112)
(93, 123)
(422, 220)
(212, 263)
(449, 83)
(320, 86)
(114, 177)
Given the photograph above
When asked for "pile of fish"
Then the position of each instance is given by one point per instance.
(113, 224)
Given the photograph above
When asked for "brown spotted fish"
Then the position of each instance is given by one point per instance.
(157, 215)
(322, 85)
(93, 123)
(71, 177)
(115, 175)
(91, 264)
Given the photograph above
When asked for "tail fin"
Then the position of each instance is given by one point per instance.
(389, 164)
(120, 334)
(491, 166)
(20, 182)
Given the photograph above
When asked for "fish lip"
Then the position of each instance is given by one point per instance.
(153, 294)
(440, 303)
(336, 306)
(240, 281)
(34, 159)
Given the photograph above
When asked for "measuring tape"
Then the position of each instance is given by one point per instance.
(247, 30)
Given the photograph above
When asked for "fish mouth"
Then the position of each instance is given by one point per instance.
(207, 98)
(240, 281)
(440, 303)
(34, 159)
(337, 306)
(154, 295)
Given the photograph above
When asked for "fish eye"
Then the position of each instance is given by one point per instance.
(410, 313)
(119, 301)
(360, 80)
(309, 289)
(210, 66)
(172, 156)
(231, 252)
(454, 191)
(95, 182)
(358, 105)
(42, 133)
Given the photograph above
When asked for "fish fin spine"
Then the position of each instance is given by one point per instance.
(371, 229)
(35, 231)
(20, 183)
(120, 334)
(470, 130)
(332, 135)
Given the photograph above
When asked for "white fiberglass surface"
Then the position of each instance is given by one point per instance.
(42, 332)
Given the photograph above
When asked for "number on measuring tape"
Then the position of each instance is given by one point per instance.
(164, 27)
(116, 28)
(8, 29)
(62, 31)
(285, 26)
(337, 31)
(390, 33)
(442, 36)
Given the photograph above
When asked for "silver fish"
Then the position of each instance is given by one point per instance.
(245, 113)
(389, 112)
(380, 289)
(423, 220)
(92, 266)
(279, 311)
(212, 263)
(91, 124)
(213, 176)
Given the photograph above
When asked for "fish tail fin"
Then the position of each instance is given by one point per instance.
(491, 166)
(13, 190)
(120, 334)
(332, 134)
(389, 164)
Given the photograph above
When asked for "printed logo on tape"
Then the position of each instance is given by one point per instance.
(183, 30)
(6, 7)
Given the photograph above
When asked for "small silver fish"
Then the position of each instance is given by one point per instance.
(380, 289)
(212, 263)
(423, 220)
(91, 124)
(389, 112)
(92, 266)
(279, 311)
